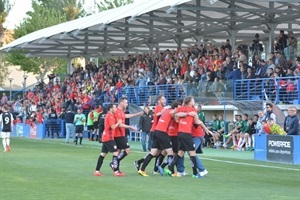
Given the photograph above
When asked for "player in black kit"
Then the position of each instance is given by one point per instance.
(6, 122)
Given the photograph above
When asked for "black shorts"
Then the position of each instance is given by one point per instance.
(174, 141)
(185, 142)
(96, 125)
(109, 146)
(79, 129)
(122, 142)
(90, 128)
(161, 140)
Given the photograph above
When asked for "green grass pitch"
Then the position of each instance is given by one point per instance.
(51, 169)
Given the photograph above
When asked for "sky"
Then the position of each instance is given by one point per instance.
(18, 12)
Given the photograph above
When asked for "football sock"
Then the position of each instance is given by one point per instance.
(240, 142)
(243, 142)
(249, 141)
(140, 161)
(99, 163)
(146, 161)
(194, 164)
(122, 155)
(8, 141)
(174, 162)
(92, 136)
(80, 140)
(115, 163)
(170, 159)
(76, 138)
(233, 141)
(158, 161)
(165, 163)
(89, 135)
(4, 144)
(253, 141)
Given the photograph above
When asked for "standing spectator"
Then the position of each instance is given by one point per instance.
(101, 118)
(291, 122)
(269, 112)
(145, 126)
(6, 122)
(201, 114)
(242, 57)
(69, 118)
(96, 112)
(79, 120)
(52, 122)
(259, 125)
(4, 99)
(90, 124)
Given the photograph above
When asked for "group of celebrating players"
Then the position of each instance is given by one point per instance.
(174, 131)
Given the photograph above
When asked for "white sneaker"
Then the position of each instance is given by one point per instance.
(182, 173)
(225, 145)
(155, 173)
(203, 173)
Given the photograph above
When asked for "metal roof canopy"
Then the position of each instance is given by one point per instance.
(252, 108)
(142, 27)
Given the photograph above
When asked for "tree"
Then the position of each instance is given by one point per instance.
(109, 4)
(5, 6)
(3, 70)
(73, 9)
(41, 17)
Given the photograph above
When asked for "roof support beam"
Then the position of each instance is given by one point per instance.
(240, 9)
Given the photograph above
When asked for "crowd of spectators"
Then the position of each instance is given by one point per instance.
(206, 70)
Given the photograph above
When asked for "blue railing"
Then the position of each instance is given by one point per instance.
(146, 95)
(279, 90)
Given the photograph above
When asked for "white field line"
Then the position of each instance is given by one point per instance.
(249, 164)
(202, 158)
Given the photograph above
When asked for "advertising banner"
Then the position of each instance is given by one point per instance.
(280, 149)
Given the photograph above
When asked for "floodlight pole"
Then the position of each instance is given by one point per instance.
(10, 87)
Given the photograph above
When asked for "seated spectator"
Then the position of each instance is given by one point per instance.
(249, 137)
(234, 134)
(244, 132)
(275, 129)
(219, 133)
(214, 128)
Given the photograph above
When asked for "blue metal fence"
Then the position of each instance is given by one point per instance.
(147, 95)
(281, 90)
(202, 92)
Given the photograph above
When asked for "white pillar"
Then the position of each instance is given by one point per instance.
(267, 50)
(233, 39)
(271, 37)
(151, 48)
(69, 66)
